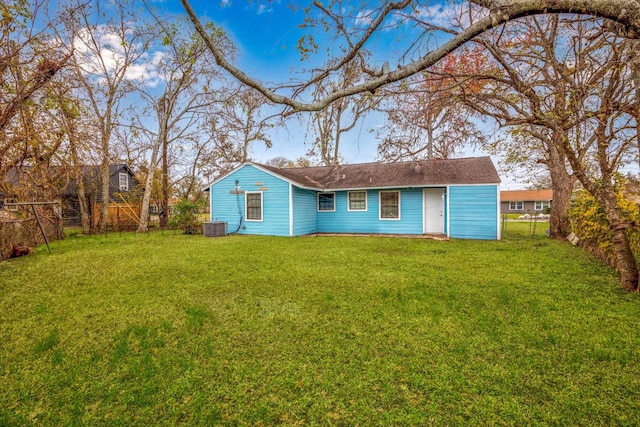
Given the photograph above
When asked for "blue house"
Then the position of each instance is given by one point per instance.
(457, 198)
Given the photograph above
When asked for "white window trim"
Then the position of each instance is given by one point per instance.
(380, 205)
(318, 201)
(124, 187)
(516, 208)
(246, 206)
(366, 197)
(542, 202)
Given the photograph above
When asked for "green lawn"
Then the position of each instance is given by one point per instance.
(523, 229)
(171, 329)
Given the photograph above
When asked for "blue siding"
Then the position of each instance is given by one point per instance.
(275, 202)
(305, 220)
(473, 212)
(344, 221)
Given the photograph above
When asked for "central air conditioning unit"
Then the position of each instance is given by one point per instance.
(214, 228)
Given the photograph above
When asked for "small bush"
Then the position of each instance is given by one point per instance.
(184, 216)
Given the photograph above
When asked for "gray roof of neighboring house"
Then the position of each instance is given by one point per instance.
(91, 174)
(472, 170)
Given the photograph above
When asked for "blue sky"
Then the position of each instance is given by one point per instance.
(266, 34)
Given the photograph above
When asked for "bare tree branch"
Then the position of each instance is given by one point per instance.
(624, 12)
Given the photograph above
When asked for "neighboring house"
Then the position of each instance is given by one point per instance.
(457, 198)
(526, 201)
(122, 186)
(63, 186)
(155, 208)
(121, 180)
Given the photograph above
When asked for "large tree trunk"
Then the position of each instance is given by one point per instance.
(625, 261)
(562, 185)
(78, 169)
(559, 226)
(143, 226)
(104, 190)
(161, 111)
(82, 201)
(164, 203)
(104, 176)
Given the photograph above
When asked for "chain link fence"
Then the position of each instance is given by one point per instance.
(524, 228)
(125, 217)
(25, 225)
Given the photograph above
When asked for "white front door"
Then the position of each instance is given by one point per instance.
(433, 208)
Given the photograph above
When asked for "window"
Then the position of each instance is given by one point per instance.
(327, 202)
(542, 206)
(357, 200)
(516, 206)
(389, 205)
(123, 181)
(253, 206)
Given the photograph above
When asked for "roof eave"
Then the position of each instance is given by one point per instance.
(270, 172)
(396, 186)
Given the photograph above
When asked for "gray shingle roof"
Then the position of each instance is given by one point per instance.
(472, 170)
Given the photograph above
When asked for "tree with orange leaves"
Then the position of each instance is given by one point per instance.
(426, 118)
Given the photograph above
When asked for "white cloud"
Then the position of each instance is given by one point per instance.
(451, 15)
(102, 53)
(446, 15)
(263, 9)
(146, 69)
(364, 17)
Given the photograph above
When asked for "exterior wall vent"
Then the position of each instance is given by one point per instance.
(214, 228)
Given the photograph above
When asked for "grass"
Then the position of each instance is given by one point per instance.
(518, 215)
(524, 229)
(171, 329)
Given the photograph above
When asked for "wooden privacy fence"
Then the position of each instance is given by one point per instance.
(121, 216)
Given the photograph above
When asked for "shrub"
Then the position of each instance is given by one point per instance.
(589, 221)
(184, 215)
